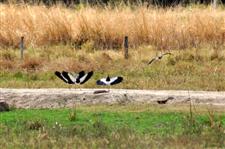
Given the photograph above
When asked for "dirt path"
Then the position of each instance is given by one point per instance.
(55, 98)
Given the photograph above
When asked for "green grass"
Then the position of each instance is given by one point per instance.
(135, 126)
(144, 122)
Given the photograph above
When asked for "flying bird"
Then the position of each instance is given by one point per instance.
(109, 81)
(158, 57)
(70, 78)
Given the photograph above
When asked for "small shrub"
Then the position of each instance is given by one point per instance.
(8, 56)
(83, 59)
(220, 87)
(34, 125)
(6, 64)
(217, 55)
(214, 56)
(31, 64)
(184, 67)
(210, 131)
(186, 57)
(73, 115)
(191, 125)
(57, 126)
(33, 77)
(18, 75)
(214, 134)
(88, 46)
(81, 131)
(171, 61)
(12, 107)
(100, 128)
(106, 57)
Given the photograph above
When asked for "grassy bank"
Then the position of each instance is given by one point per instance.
(196, 69)
(132, 126)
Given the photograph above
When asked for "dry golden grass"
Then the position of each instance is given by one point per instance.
(175, 28)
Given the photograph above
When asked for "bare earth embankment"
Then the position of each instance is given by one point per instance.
(56, 98)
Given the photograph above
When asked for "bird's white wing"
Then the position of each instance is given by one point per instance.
(85, 77)
(168, 53)
(73, 77)
(113, 79)
(82, 78)
(105, 81)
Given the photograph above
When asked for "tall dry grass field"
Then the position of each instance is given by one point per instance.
(175, 28)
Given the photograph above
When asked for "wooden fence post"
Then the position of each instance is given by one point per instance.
(214, 3)
(21, 47)
(126, 47)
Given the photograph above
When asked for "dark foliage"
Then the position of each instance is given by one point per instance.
(162, 3)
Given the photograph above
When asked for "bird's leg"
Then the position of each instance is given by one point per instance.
(109, 88)
(111, 94)
(80, 87)
(70, 86)
(156, 54)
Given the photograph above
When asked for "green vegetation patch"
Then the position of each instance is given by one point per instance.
(142, 122)
(109, 128)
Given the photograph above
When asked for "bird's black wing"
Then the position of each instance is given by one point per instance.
(59, 75)
(100, 82)
(168, 53)
(80, 75)
(65, 74)
(117, 80)
(86, 77)
(151, 61)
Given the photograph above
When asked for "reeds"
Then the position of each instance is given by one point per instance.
(174, 28)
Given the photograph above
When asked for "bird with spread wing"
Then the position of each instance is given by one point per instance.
(158, 57)
(70, 78)
(109, 81)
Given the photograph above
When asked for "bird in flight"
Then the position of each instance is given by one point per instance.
(158, 57)
(70, 78)
(109, 81)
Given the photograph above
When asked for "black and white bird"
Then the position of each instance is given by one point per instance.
(158, 57)
(70, 78)
(109, 81)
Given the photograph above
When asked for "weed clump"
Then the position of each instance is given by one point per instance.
(32, 64)
(100, 129)
(73, 115)
(34, 125)
(6, 64)
(209, 132)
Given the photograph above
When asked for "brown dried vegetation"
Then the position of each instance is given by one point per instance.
(177, 28)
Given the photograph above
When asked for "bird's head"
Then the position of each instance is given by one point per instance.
(107, 78)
